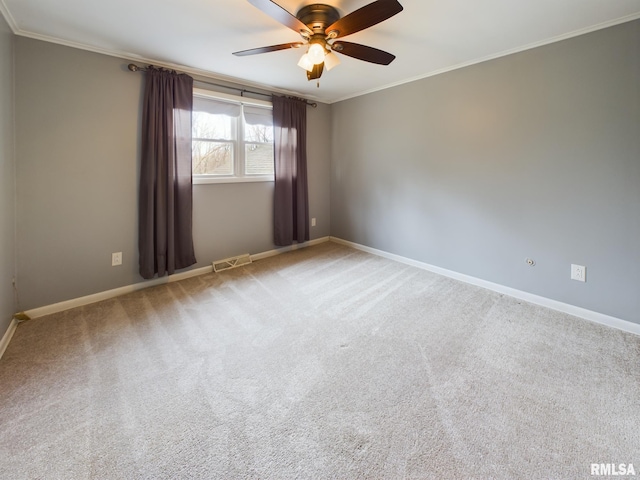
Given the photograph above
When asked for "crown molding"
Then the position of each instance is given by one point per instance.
(530, 46)
(205, 74)
(9, 18)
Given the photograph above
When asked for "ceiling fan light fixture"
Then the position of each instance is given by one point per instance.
(306, 63)
(316, 53)
(331, 60)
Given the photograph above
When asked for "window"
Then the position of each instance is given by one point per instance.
(232, 138)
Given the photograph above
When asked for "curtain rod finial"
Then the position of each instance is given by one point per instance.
(133, 67)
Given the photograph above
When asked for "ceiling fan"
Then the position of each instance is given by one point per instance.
(320, 26)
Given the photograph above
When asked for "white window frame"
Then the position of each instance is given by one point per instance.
(239, 143)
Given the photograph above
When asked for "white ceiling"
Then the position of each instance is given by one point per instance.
(199, 36)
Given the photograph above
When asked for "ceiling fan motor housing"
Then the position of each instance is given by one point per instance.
(318, 17)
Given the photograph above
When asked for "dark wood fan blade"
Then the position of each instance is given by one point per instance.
(362, 52)
(278, 13)
(364, 17)
(272, 48)
(316, 72)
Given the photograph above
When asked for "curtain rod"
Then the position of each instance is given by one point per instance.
(135, 68)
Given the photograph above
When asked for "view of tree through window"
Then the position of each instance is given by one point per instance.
(212, 144)
(231, 139)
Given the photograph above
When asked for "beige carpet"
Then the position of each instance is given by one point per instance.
(318, 364)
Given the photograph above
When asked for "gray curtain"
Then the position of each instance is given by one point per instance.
(291, 204)
(165, 239)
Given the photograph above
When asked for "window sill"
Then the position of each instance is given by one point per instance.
(202, 180)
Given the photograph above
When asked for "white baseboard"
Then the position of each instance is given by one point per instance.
(607, 320)
(580, 312)
(97, 297)
(6, 338)
(295, 246)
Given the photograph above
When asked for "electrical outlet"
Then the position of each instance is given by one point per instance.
(313, 222)
(116, 259)
(579, 273)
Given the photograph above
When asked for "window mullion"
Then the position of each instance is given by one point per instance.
(241, 149)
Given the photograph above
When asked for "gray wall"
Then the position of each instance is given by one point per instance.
(77, 125)
(7, 179)
(535, 155)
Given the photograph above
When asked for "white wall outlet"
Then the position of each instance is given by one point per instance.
(313, 222)
(116, 259)
(578, 272)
